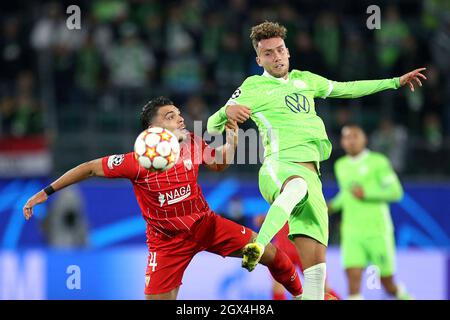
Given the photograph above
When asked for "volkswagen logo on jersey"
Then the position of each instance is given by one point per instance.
(297, 102)
(174, 196)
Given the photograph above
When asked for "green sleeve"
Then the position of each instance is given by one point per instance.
(216, 122)
(246, 94)
(325, 88)
(389, 188)
(356, 89)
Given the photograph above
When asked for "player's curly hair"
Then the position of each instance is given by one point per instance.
(267, 30)
(151, 108)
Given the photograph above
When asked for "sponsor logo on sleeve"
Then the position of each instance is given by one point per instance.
(115, 160)
(236, 94)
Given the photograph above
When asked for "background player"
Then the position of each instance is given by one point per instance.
(367, 183)
(178, 229)
(281, 103)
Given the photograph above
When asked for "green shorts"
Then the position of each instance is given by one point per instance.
(310, 216)
(359, 252)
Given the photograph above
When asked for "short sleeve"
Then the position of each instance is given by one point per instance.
(120, 166)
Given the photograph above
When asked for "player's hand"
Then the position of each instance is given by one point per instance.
(358, 192)
(232, 132)
(411, 77)
(238, 113)
(38, 198)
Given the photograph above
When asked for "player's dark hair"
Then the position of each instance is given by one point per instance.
(151, 108)
(267, 30)
(353, 125)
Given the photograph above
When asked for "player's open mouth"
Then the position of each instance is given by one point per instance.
(279, 66)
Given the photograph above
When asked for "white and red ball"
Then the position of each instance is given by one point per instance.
(157, 149)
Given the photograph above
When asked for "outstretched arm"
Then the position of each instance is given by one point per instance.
(85, 170)
(356, 89)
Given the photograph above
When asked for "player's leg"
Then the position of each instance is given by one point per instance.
(313, 256)
(354, 276)
(382, 253)
(228, 239)
(308, 226)
(394, 289)
(292, 192)
(280, 266)
(355, 260)
(308, 220)
(389, 285)
(167, 261)
(278, 291)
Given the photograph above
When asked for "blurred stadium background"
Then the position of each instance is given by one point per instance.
(68, 96)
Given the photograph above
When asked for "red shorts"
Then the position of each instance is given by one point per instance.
(282, 241)
(169, 257)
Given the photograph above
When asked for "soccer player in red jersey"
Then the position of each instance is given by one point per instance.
(179, 220)
(282, 242)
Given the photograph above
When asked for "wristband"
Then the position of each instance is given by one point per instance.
(49, 190)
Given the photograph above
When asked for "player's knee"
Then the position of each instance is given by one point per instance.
(295, 189)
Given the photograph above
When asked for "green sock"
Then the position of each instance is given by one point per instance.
(275, 220)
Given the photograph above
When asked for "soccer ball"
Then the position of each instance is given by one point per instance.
(157, 149)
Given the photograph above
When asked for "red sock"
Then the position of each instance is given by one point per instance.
(283, 270)
(278, 296)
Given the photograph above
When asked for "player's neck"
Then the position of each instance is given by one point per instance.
(360, 155)
(281, 79)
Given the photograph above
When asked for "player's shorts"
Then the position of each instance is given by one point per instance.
(310, 216)
(282, 241)
(360, 252)
(169, 257)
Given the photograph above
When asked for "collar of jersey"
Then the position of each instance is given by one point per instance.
(282, 80)
(360, 156)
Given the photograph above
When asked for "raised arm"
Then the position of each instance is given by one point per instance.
(85, 170)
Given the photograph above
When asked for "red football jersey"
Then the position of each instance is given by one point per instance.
(172, 201)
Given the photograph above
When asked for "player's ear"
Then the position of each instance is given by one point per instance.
(258, 61)
(288, 54)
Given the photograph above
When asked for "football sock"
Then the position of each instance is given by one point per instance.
(314, 283)
(283, 270)
(278, 296)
